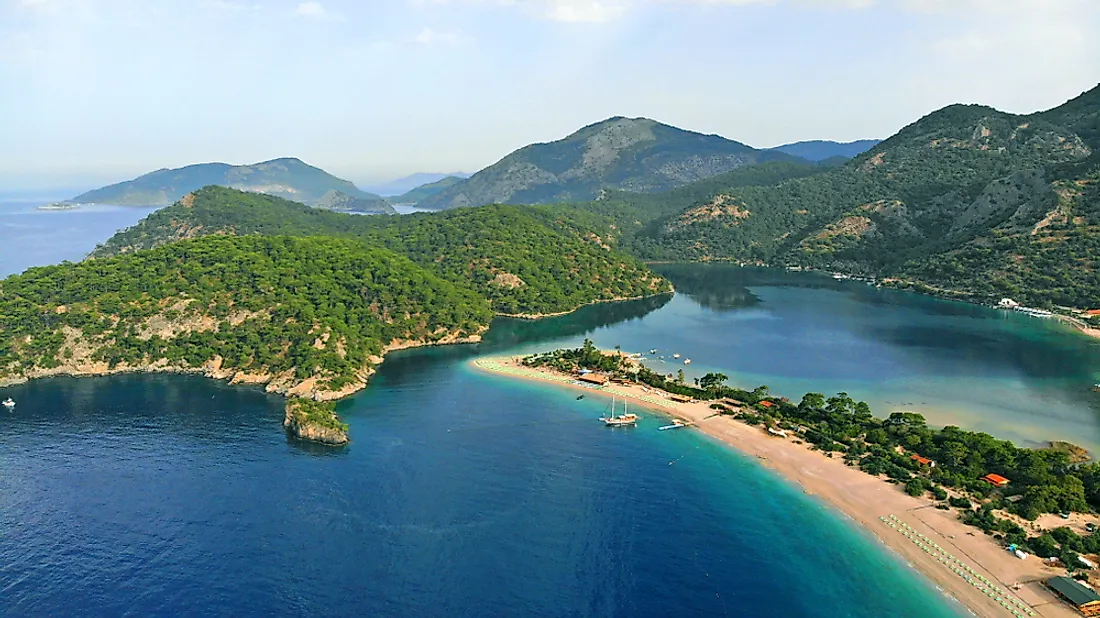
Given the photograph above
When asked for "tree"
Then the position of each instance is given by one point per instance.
(712, 381)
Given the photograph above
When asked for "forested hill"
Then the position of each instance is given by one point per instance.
(634, 154)
(968, 198)
(289, 178)
(308, 316)
(524, 260)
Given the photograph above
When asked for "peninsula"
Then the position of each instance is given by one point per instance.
(309, 308)
(925, 493)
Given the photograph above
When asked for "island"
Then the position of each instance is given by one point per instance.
(926, 493)
(315, 421)
(257, 290)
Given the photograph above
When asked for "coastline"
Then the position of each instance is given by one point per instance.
(930, 540)
(539, 316)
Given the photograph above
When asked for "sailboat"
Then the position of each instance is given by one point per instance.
(621, 420)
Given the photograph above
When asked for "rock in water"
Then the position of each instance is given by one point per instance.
(315, 421)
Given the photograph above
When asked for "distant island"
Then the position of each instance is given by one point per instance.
(1025, 499)
(288, 178)
(254, 289)
(342, 202)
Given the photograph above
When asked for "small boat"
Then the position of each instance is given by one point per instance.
(653, 351)
(579, 397)
(620, 420)
(687, 361)
(675, 356)
(676, 424)
(1096, 387)
(9, 403)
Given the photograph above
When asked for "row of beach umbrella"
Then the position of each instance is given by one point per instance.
(1015, 606)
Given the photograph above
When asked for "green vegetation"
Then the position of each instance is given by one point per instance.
(633, 154)
(1048, 480)
(524, 260)
(288, 178)
(310, 306)
(966, 199)
(316, 413)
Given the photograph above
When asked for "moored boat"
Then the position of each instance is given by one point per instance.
(9, 403)
(619, 420)
(676, 424)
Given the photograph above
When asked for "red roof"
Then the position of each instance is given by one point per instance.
(767, 404)
(924, 461)
(995, 479)
(1093, 312)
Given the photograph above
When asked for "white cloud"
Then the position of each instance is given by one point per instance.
(427, 36)
(311, 9)
(596, 11)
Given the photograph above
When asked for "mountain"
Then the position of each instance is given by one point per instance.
(633, 154)
(523, 260)
(410, 182)
(427, 190)
(288, 178)
(342, 202)
(968, 199)
(820, 150)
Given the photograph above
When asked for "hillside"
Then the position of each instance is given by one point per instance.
(405, 184)
(307, 316)
(424, 191)
(342, 202)
(288, 178)
(524, 260)
(820, 150)
(967, 198)
(632, 154)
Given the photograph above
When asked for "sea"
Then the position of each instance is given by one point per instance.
(468, 494)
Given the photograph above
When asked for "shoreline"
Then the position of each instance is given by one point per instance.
(932, 541)
(539, 316)
(915, 287)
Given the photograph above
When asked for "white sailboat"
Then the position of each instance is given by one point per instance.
(619, 420)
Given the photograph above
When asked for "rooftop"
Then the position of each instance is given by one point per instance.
(1073, 591)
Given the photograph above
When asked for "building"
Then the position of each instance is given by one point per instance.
(924, 461)
(594, 378)
(766, 404)
(1076, 594)
(995, 480)
(680, 398)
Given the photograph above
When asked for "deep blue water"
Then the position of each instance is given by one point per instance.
(461, 495)
(32, 237)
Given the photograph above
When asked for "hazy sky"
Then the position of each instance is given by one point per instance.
(102, 90)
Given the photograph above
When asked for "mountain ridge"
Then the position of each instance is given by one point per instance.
(820, 150)
(286, 177)
(636, 154)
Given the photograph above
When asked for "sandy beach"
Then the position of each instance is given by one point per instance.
(959, 559)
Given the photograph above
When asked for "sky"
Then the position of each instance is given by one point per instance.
(97, 91)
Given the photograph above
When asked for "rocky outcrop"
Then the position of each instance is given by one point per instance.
(314, 423)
